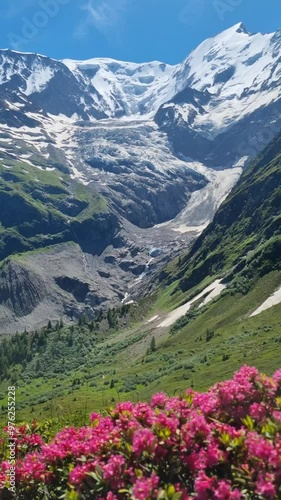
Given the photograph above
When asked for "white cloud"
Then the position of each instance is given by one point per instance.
(107, 16)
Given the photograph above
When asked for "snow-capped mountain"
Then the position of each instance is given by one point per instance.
(94, 89)
(224, 89)
(125, 89)
(241, 73)
(161, 145)
(238, 71)
(231, 100)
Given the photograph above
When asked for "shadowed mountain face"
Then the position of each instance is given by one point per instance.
(103, 160)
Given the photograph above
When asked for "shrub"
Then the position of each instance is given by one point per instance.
(223, 444)
(209, 335)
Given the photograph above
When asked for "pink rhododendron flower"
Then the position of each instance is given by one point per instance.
(258, 411)
(95, 417)
(185, 445)
(266, 488)
(159, 400)
(79, 473)
(144, 440)
(204, 486)
(111, 496)
(277, 415)
(259, 447)
(223, 491)
(277, 377)
(146, 488)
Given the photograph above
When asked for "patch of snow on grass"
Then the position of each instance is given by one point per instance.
(152, 319)
(273, 300)
(214, 290)
(215, 293)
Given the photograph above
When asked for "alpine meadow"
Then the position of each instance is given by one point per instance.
(140, 272)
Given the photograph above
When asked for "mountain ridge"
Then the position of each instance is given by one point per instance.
(99, 73)
(159, 146)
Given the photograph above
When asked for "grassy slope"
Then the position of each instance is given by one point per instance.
(181, 360)
(40, 207)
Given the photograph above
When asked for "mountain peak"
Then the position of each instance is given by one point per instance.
(240, 28)
(233, 30)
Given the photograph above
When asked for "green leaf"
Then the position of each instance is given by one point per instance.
(249, 423)
(171, 491)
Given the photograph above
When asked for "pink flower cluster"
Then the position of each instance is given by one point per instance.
(223, 444)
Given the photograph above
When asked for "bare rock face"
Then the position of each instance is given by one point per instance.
(78, 289)
(21, 290)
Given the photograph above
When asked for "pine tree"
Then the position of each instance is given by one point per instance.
(153, 344)
(70, 340)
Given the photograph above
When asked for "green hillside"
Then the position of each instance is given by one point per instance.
(127, 354)
(42, 207)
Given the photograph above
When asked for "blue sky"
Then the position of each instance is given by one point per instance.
(132, 30)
